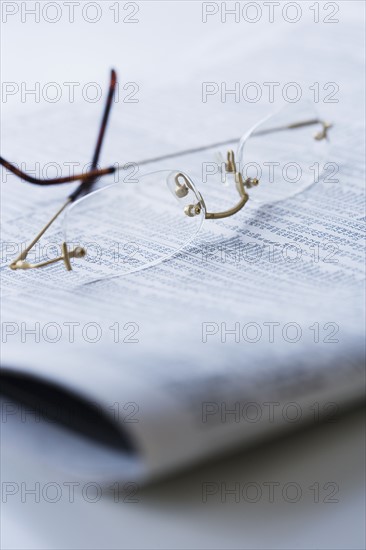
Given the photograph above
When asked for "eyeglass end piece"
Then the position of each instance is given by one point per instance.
(113, 77)
(323, 133)
(251, 182)
(19, 264)
(78, 252)
(192, 210)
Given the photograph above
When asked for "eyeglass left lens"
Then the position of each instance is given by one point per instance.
(129, 226)
(286, 152)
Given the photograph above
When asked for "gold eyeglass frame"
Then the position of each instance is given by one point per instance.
(182, 188)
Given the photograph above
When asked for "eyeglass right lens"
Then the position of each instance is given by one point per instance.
(129, 226)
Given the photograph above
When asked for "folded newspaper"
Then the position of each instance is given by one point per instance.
(253, 329)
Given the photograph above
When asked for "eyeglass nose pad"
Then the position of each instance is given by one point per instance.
(180, 187)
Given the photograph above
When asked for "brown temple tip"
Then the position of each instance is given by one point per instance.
(113, 78)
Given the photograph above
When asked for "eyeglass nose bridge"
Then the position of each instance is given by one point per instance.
(181, 190)
(182, 187)
(241, 186)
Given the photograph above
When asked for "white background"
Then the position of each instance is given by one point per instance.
(169, 53)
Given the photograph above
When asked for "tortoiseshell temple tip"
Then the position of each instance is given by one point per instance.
(55, 181)
(86, 186)
(113, 78)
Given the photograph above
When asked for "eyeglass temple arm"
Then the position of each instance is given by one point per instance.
(78, 252)
(86, 186)
(322, 134)
(19, 262)
(54, 181)
(90, 177)
(112, 169)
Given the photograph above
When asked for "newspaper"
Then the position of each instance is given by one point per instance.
(256, 326)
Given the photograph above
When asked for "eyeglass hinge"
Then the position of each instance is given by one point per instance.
(78, 252)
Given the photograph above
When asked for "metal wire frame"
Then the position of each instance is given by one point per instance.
(88, 179)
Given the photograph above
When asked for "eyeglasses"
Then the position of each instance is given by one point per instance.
(125, 227)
